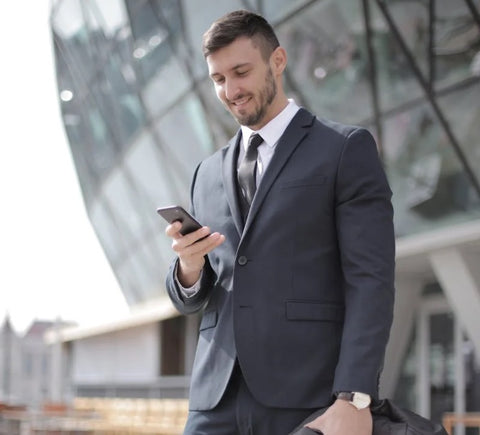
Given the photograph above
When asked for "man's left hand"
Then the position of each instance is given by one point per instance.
(343, 419)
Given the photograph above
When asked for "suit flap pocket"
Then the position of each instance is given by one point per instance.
(209, 320)
(311, 310)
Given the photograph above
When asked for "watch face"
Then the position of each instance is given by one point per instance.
(361, 400)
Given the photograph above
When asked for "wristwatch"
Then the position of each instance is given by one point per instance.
(359, 400)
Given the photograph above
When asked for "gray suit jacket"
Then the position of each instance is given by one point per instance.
(303, 293)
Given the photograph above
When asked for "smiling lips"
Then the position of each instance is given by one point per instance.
(240, 102)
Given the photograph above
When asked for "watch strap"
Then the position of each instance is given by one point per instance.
(345, 395)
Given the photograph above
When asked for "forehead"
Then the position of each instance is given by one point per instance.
(240, 52)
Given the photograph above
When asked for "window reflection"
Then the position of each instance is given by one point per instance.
(184, 139)
(108, 15)
(155, 27)
(168, 85)
(106, 227)
(327, 60)
(457, 39)
(429, 183)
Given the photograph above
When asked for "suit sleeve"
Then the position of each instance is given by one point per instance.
(193, 304)
(364, 220)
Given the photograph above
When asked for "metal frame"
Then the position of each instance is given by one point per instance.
(373, 76)
(428, 87)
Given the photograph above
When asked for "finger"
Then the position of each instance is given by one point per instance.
(173, 230)
(198, 247)
(203, 247)
(182, 241)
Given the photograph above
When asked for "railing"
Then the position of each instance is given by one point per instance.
(99, 416)
(469, 419)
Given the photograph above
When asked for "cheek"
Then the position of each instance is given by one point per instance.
(220, 92)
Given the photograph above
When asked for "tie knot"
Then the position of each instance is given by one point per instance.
(254, 140)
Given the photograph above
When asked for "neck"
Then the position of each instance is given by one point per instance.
(276, 107)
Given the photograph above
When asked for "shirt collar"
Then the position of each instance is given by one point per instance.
(272, 131)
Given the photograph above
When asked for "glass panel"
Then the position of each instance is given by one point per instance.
(155, 26)
(327, 61)
(164, 256)
(73, 38)
(118, 101)
(430, 186)
(167, 86)
(152, 176)
(107, 231)
(75, 128)
(396, 82)
(457, 42)
(462, 110)
(184, 142)
(198, 16)
(142, 271)
(415, 32)
(128, 282)
(108, 16)
(90, 140)
(158, 257)
(142, 268)
(125, 207)
(279, 9)
(67, 18)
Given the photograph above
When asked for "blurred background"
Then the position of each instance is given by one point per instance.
(93, 92)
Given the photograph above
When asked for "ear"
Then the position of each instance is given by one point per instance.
(278, 60)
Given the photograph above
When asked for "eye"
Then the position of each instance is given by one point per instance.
(218, 80)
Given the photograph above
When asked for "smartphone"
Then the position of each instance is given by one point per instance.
(177, 213)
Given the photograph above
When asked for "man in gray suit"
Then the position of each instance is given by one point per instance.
(296, 287)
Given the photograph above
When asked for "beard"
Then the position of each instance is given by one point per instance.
(266, 97)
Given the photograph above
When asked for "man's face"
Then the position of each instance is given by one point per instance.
(244, 82)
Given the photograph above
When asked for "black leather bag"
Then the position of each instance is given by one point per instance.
(388, 419)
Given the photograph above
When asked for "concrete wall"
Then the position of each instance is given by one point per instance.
(124, 356)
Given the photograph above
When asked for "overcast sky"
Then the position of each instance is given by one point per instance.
(51, 262)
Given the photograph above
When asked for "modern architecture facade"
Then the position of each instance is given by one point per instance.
(140, 113)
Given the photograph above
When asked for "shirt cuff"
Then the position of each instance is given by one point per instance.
(188, 292)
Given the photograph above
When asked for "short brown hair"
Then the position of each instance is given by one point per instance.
(238, 24)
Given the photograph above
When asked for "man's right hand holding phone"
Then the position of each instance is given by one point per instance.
(191, 250)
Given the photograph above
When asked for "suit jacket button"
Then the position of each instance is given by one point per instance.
(242, 261)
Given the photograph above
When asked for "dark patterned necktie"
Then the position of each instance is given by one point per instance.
(248, 168)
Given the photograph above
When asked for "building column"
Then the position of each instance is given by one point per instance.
(407, 296)
(456, 272)
(56, 366)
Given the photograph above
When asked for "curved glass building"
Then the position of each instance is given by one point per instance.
(140, 113)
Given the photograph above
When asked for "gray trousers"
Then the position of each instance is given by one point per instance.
(238, 413)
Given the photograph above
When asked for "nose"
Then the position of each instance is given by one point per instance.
(231, 89)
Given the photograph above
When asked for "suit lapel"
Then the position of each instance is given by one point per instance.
(291, 138)
(229, 170)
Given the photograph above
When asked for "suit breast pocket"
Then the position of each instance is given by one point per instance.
(315, 181)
